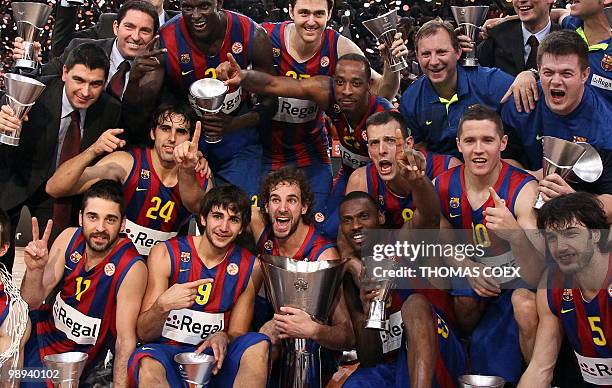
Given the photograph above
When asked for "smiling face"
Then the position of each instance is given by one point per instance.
(222, 226)
(200, 17)
(101, 221)
(83, 85)
(562, 82)
(310, 18)
(133, 33)
(438, 59)
(285, 209)
(533, 12)
(357, 216)
(172, 129)
(381, 148)
(588, 8)
(481, 145)
(572, 247)
(351, 86)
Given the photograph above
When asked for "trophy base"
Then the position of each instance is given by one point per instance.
(212, 139)
(399, 66)
(26, 64)
(9, 140)
(470, 62)
(377, 325)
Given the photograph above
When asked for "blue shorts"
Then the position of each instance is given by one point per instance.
(243, 169)
(450, 364)
(164, 354)
(329, 225)
(320, 179)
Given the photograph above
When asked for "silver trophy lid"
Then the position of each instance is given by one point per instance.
(32, 13)
(475, 15)
(478, 381)
(561, 153)
(70, 366)
(589, 167)
(383, 23)
(195, 368)
(23, 89)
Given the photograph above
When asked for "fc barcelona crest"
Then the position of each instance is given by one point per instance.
(337, 108)
(454, 202)
(276, 52)
(185, 58)
(75, 257)
(145, 174)
(580, 139)
(606, 62)
(185, 257)
(567, 295)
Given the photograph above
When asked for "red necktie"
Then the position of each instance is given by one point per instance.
(62, 207)
(117, 82)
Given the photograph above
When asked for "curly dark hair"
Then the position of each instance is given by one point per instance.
(289, 175)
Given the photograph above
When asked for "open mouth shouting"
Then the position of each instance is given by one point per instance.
(557, 95)
(385, 167)
(282, 223)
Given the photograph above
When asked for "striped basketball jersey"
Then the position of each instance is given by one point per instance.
(154, 212)
(83, 316)
(4, 304)
(297, 133)
(314, 244)
(456, 208)
(212, 308)
(398, 209)
(587, 324)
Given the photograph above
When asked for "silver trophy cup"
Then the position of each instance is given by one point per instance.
(588, 168)
(560, 156)
(311, 287)
(21, 94)
(207, 96)
(377, 314)
(70, 366)
(478, 381)
(30, 19)
(384, 29)
(608, 13)
(196, 369)
(470, 19)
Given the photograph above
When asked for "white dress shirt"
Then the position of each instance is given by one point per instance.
(539, 36)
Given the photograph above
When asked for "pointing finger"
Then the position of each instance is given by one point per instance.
(196, 133)
(399, 148)
(496, 199)
(197, 283)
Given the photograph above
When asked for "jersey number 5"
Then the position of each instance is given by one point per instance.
(601, 338)
(157, 210)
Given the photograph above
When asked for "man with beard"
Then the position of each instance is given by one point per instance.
(435, 355)
(575, 294)
(200, 296)
(162, 187)
(303, 48)
(348, 101)
(96, 272)
(401, 200)
(493, 202)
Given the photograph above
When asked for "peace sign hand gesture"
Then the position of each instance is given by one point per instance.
(36, 253)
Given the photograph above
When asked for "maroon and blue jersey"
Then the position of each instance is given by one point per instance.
(354, 141)
(314, 244)
(587, 324)
(153, 211)
(398, 209)
(297, 133)
(83, 315)
(212, 307)
(4, 304)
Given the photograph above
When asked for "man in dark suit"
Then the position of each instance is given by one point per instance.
(512, 46)
(68, 117)
(66, 20)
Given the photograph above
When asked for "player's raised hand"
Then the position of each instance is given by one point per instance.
(484, 286)
(108, 142)
(410, 162)
(36, 254)
(8, 121)
(180, 295)
(398, 47)
(230, 72)
(218, 343)
(499, 219)
(553, 186)
(186, 154)
(150, 59)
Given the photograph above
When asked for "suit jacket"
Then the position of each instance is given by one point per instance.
(56, 64)
(504, 48)
(23, 169)
(65, 23)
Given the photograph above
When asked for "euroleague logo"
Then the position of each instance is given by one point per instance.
(232, 269)
(109, 269)
(237, 48)
(319, 217)
(324, 61)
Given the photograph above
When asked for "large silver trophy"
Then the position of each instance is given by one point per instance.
(588, 168)
(560, 156)
(70, 366)
(196, 369)
(384, 28)
(21, 94)
(470, 19)
(479, 381)
(377, 315)
(311, 287)
(30, 19)
(608, 13)
(207, 96)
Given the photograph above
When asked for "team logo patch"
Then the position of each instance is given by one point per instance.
(145, 174)
(324, 61)
(237, 48)
(319, 217)
(336, 108)
(610, 290)
(580, 139)
(606, 62)
(381, 199)
(454, 202)
(268, 245)
(276, 52)
(185, 58)
(75, 257)
(568, 296)
(109, 269)
(364, 135)
(185, 257)
(232, 269)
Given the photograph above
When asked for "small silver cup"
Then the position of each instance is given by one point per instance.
(70, 366)
(196, 369)
(384, 28)
(21, 94)
(470, 19)
(30, 19)
(207, 97)
(478, 381)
